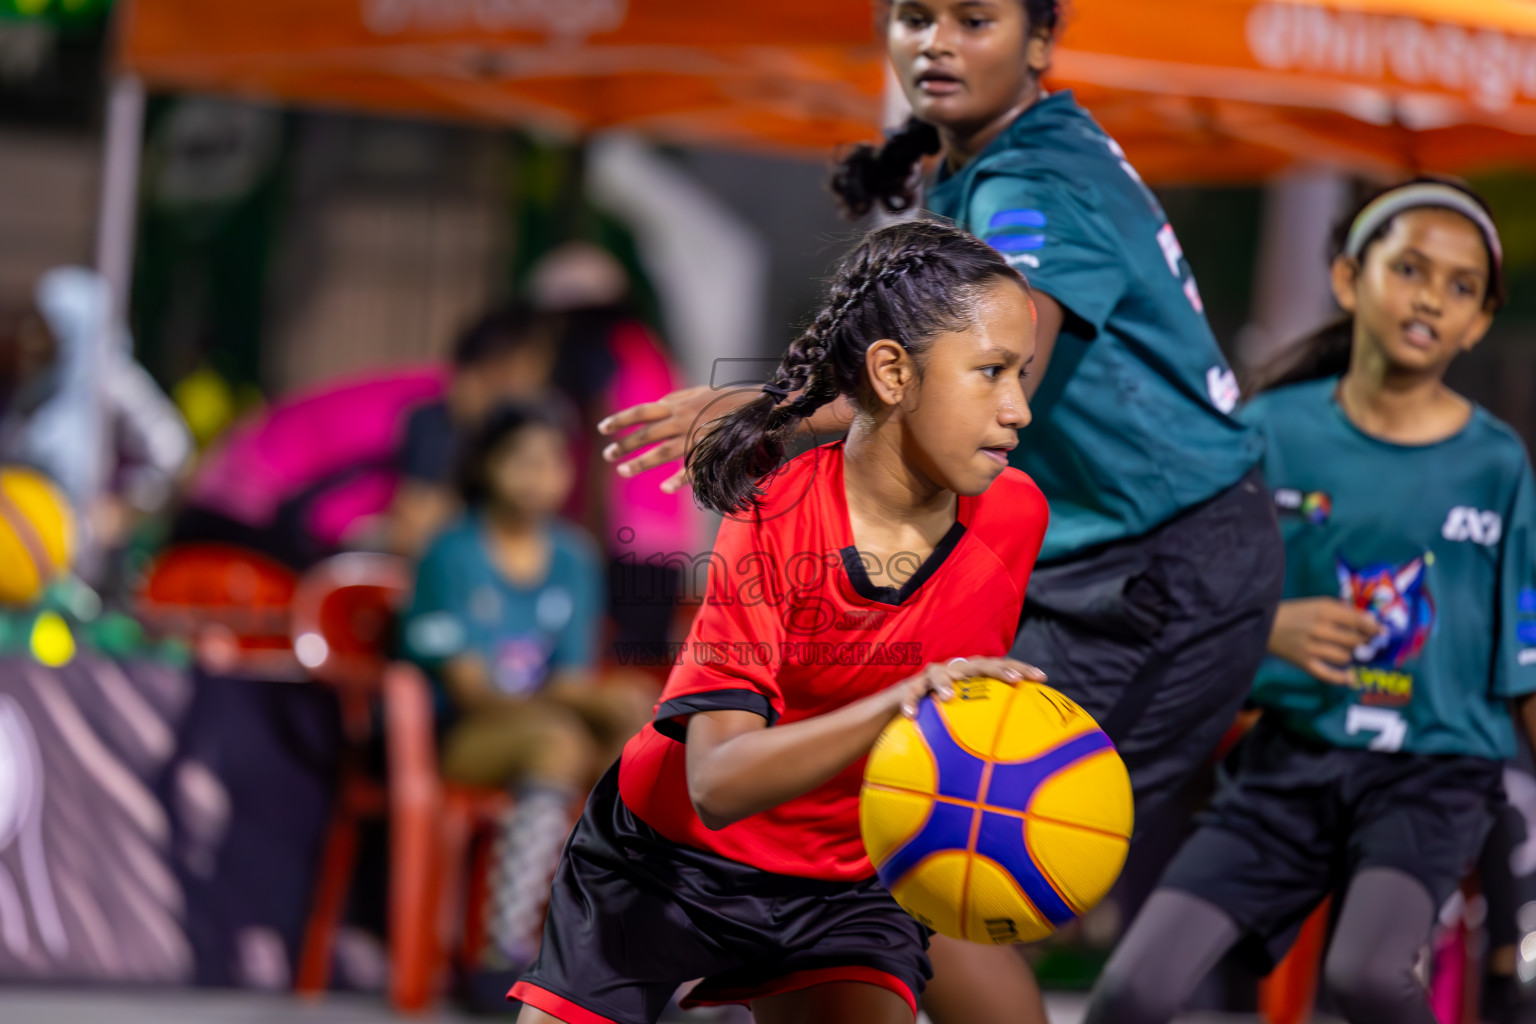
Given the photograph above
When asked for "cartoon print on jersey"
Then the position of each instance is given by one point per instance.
(1396, 596)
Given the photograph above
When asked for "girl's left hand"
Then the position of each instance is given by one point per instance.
(939, 678)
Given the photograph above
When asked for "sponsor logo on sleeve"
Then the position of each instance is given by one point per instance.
(1018, 235)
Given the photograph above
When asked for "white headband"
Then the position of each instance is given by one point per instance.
(1417, 196)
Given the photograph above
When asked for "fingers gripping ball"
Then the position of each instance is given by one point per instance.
(997, 816)
(37, 534)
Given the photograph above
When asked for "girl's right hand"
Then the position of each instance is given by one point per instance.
(1319, 635)
(939, 679)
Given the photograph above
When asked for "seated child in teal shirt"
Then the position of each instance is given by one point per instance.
(506, 617)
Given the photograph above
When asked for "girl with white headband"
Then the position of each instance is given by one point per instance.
(1406, 635)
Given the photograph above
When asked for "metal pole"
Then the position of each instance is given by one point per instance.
(118, 212)
(1291, 293)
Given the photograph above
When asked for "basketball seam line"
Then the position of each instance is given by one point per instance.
(1007, 812)
(1040, 915)
(976, 815)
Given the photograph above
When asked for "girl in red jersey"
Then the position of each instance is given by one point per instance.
(843, 587)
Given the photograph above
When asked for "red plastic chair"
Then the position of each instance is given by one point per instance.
(232, 605)
(342, 612)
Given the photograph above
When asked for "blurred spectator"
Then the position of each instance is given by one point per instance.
(75, 404)
(610, 360)
(384, 475)
(508, 355)
(506, 616)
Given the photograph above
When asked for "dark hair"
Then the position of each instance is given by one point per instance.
(502, 423)
(908, 283)
(864, 175)
(502, 331)
(1326, 351)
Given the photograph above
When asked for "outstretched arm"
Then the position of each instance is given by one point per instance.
(673, 425)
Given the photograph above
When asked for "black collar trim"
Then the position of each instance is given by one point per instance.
(853, 565)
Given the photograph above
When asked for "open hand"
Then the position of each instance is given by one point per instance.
(672, 425)
(1320, 634)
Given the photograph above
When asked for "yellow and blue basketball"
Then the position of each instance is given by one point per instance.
(997, 816)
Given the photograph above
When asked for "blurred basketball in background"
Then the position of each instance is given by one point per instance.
(37, 534)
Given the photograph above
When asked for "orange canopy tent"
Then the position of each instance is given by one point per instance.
(794, 74)
(1193, 89)
(1238, 89)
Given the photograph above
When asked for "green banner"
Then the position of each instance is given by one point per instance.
(57, 12)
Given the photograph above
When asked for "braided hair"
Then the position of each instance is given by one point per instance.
(867, 175)
(906, 283)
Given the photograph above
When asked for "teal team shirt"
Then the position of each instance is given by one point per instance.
(463, 605)
(1438, 542)
(1132, 420)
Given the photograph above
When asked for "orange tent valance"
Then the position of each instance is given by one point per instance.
(1193, 89)
(797, 74)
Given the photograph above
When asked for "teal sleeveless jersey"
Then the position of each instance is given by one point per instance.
(1438, 542)
(1132, 419)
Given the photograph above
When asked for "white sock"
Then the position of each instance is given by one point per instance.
(525, 858)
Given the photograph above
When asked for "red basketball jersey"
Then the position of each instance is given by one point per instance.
(792, 627)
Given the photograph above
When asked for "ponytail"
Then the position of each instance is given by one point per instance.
(906, 283)
(1323, 353)
(866, 175)
(748, 444)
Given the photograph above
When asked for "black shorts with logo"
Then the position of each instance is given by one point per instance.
(633, 915)
(1295, 819)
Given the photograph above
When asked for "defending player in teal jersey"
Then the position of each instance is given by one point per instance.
(1406, 635)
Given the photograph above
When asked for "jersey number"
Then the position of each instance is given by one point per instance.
(1391, 728)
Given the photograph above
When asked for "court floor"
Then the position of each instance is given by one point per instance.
(58, 1006)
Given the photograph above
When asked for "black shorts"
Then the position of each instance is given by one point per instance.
(1158, 637)
(633, 915)
(1294, 820)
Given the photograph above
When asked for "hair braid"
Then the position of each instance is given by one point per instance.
(906, 283)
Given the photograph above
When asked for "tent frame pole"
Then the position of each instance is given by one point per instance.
(117, 214)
